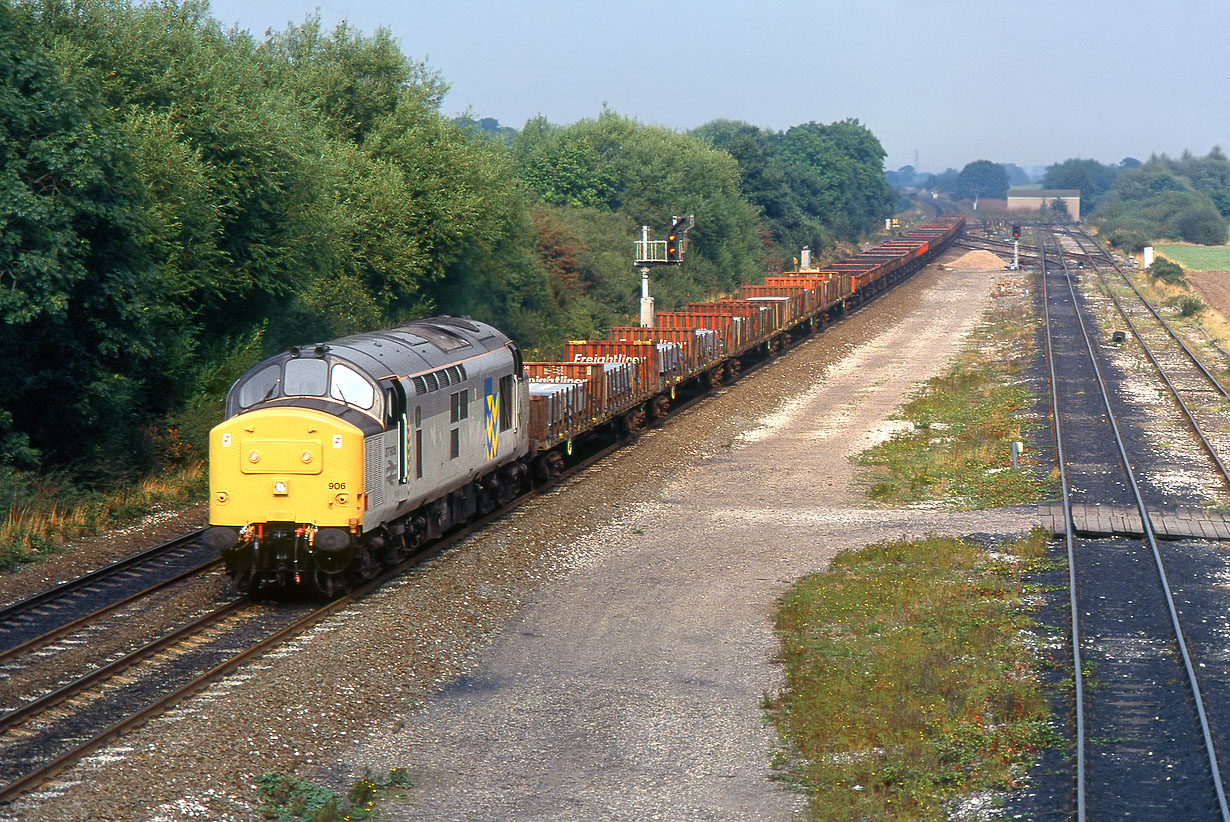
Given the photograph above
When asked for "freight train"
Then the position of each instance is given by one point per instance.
(337, 460)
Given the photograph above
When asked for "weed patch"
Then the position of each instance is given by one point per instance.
(288, 799)
(910, 679)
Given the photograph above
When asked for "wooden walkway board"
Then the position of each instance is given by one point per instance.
(1169, 522)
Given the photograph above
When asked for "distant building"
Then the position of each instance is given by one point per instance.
(1032, 199)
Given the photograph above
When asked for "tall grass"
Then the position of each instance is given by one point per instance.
(908, 679)
(45, 512)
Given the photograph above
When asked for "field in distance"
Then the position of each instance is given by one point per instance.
(1197, 257)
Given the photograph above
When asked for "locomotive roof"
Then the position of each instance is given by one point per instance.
(418, 346)
(407, 350)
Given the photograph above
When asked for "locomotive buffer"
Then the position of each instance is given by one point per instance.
(659, 252)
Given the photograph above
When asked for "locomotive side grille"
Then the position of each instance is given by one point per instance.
(372, 478)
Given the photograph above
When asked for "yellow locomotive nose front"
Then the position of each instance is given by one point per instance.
(285, 465)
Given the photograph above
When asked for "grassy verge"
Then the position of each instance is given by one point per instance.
(958, 445)
(910, 679)
(47, 511)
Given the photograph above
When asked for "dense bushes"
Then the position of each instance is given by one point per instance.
(1185, 199)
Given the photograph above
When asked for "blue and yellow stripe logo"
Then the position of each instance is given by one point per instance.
(491, 418)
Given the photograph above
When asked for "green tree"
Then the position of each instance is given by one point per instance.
(1200, 223)
(83, 315)
(946, 182)
(659, 173)
(837, 174)
(1090, 177)
(561, 167)
(1017, 176)
(351, 79)
(203, 192)
(982, 178)
(1170, 198)
(764, 181)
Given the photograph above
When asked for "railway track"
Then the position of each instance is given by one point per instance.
(62, 609)
(61, 723)
(1145, 740)
(46, 733)
(1201, 398)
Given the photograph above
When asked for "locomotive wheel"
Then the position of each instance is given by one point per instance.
(404, 548)
(553, 464)
(509, 484)
(416, 531)
(397, 549)
(365, 565)
(488, 494)
(493, 492)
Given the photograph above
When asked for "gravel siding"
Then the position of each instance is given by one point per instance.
(601, 653)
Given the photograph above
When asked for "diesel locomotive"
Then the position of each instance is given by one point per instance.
(337, 459)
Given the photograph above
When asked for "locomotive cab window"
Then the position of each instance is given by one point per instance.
(261, 386)
(305, 378)
(351, 387)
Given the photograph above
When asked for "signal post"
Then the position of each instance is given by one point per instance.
(651, 253)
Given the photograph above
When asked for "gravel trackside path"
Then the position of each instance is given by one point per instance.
(602, 652)
(631, 687)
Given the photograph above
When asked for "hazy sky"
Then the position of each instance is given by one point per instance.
(1030, 81)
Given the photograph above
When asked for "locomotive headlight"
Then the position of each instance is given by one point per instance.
(254, 457)
(307, 457)
(279, 488)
